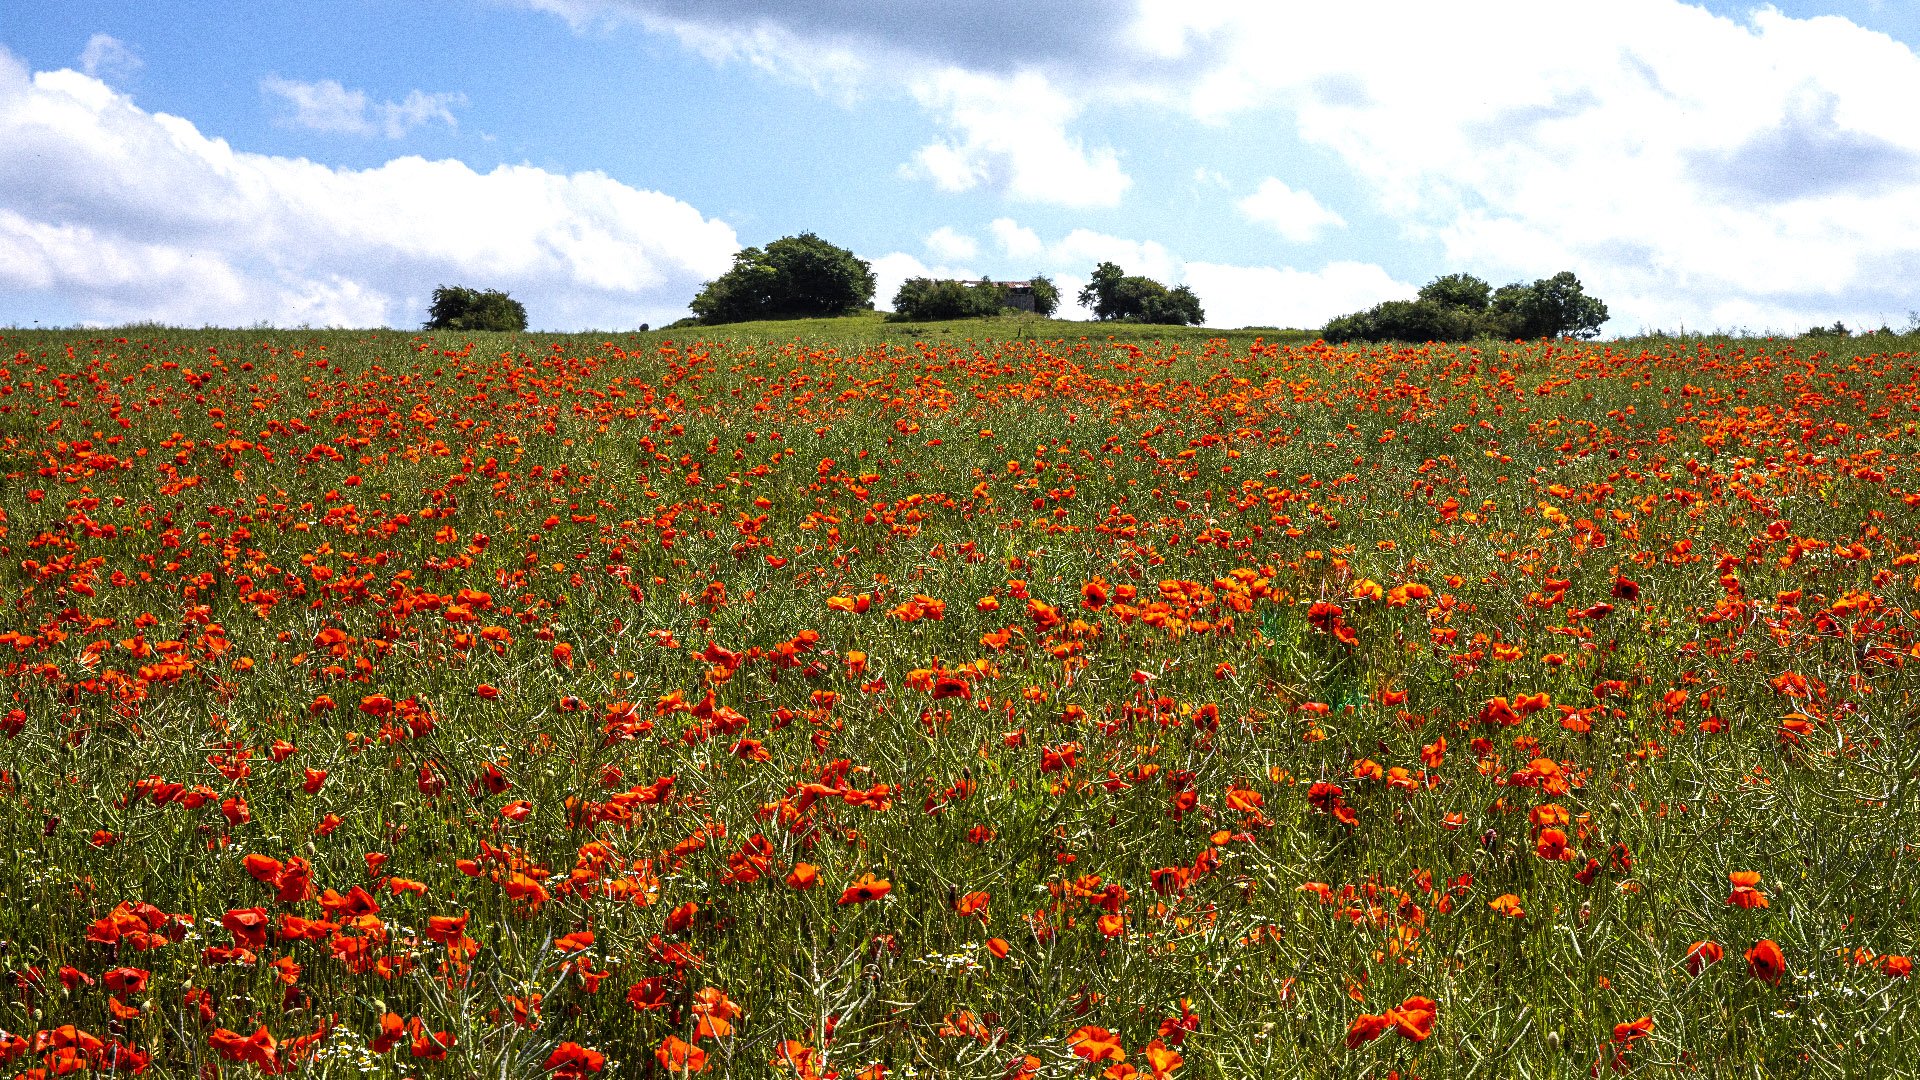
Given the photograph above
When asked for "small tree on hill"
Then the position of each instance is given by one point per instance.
(1113, 294)
(1046, 295)
(795, 277)
(458, 308)
(1550, 307)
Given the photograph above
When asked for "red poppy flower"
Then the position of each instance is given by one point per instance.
(866, 888)
(1765, 961)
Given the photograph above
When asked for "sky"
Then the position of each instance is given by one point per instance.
(1724, 166)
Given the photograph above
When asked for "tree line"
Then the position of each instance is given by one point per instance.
(805, 276)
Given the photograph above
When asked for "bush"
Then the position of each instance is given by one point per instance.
(795, 277)
(1460, 307)
(926, 298)
(1405, 320)
(1115, 295)
(458, 308)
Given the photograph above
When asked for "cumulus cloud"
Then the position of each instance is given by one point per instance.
(124, 214)
(1010, 134)
(1016, 240)
(945, 243)
(1286, 297)
(1295, 215)
(1670, 156)
(107, 57)
(328, 106)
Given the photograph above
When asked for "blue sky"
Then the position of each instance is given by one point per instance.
(1733, 166)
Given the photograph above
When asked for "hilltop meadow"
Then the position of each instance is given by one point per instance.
(1003, 698)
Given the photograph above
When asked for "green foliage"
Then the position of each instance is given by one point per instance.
(1463, 291)
(1461, 307)
(925, 298)
(456, 307)
(1837, 330)
(795, 277)
(1115, 295)
(1046, 295)
(1550, 307)
(1406, 320)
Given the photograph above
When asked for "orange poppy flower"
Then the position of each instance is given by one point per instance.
(1367, 1027)
(1703, 954)
(1746, 892)
(866, 888)
(1096, 1044)
(677, 1055)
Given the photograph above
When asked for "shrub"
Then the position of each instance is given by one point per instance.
(456, 307)
(1115, 295)
(927, 298)
(795, 277)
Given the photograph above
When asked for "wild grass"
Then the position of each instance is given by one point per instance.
(1041, 624)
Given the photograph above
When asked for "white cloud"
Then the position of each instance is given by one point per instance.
(1016, 240)
(122, 214)
(889, 271)
(107, 57)
(1295, 215)
(1681, 162)
(945, 243)
(1283, 296)
(328, 106)
(1010, 134)
(1231, 295)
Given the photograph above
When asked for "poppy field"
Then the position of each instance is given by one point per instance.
(390, 705)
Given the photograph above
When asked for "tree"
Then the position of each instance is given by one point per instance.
(456, 307)
(1550, 307)
(795, 277)
(926, 298)
(1115, 295)
(1458, 291)
(1460, 307)
(1046, 295)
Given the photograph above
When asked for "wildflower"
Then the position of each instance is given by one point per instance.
(1746, 892)
(866, 888)
(676, 1055)
(1765, 961)
(1096, 1044)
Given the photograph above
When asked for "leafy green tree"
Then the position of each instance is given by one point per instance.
(1115, 295)
(456, 307)
(1461, 307)
(795, 277)
(1046, 295)
(1458, 291)
(926, 298)
(1550, 307)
